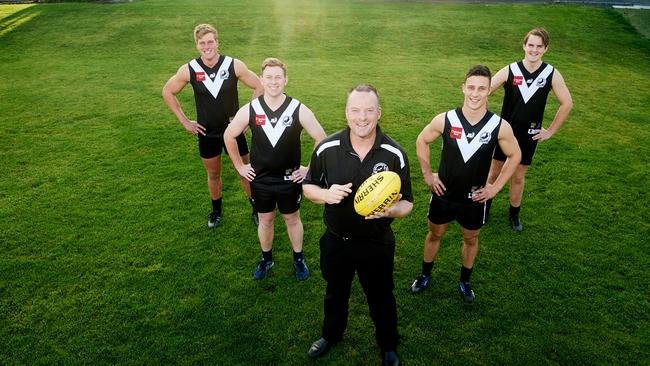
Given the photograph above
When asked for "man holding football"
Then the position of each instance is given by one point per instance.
(353, 243)
(460, 189)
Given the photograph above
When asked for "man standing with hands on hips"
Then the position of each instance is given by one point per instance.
(527, 84)
(459, 189)
(214, 81)
(352, 243)
(276, 122)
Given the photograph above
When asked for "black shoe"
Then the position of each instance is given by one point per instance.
(214, 219)
(420, 284)
(390, 359)
(256, 219)
(516, 224)
(466, 292)
(318, 348)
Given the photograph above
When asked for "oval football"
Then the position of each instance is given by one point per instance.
(377, 192)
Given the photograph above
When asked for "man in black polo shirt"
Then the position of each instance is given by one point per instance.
(352, 243)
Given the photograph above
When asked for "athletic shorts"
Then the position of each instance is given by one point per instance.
(267, 195)
(470, 216)
(209, 147)
(526, 144)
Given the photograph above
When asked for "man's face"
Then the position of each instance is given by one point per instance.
(273, 81)
(534, 48)
(363, 113)
(476, 90)
(207, 46)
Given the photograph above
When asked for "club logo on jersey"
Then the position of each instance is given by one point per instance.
(541, 82)
(287, 121)
(456, 133)
(224, 74)
(485, 137)
(380, 167)
(200, 76)
(260, 119)
(517, 80)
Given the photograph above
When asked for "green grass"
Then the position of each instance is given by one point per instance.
(105, 258)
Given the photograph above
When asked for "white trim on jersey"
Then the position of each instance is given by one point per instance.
(327, 145)
(526, 91)
(395, 151)
(213, 86)
(468, 149)
(273, 133)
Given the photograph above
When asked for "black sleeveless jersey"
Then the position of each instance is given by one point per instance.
(466, 154)
(215, 94)
(275, 139)
(525, 97)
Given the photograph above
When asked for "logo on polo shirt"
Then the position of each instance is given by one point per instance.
(380, 167)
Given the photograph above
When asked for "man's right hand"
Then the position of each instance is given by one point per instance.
(193, 127)
(336, 193)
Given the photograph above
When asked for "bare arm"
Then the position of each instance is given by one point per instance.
(236, 127)
(510, 148)
(429, 134)
(174, 86)
(249, 78)
(498, 79)
(332, 195)
(563, 96)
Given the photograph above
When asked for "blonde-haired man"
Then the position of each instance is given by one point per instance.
(275, 174)
(214, 80)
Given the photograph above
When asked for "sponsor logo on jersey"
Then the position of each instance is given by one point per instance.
(380, 167)
(471, 135)
(224, 74)
(260, 119)
(456, 133)
(274, 120)
(212, 76)
(541, 82)
(200, 76)
(485, 137)
(517, 80)
(287, 121)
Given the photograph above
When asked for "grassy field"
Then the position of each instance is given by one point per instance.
(105, 257)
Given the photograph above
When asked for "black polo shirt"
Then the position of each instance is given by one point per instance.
(335, 162)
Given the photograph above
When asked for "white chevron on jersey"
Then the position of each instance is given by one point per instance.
(528, 91)
(213, 86)
(468, 149)
(273, 133)
(395, 151)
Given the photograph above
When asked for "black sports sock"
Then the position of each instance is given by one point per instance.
(514, 211)
(465, 274)
(267, 256)
(298, 257)
(426, 268)
(216, 205)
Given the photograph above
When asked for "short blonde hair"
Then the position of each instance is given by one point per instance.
(539, 32)
(203, 29)
(271, 62)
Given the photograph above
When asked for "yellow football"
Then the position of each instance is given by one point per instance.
(377, 192)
